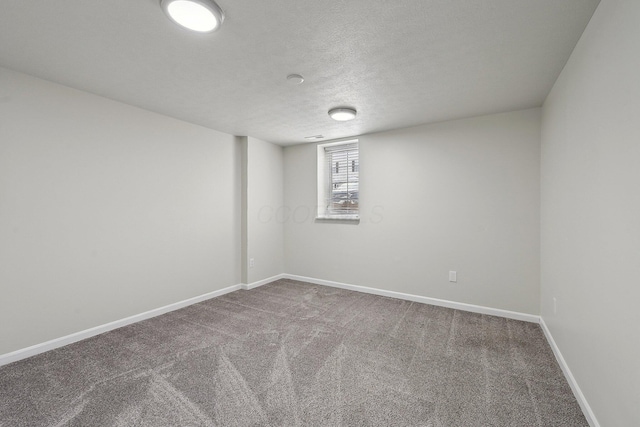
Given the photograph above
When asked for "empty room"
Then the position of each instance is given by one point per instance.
(184, 242)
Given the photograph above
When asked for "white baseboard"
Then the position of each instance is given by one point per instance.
(425, 300)
(582, 401)
(254, 285)
(70, 339)
(88, 333)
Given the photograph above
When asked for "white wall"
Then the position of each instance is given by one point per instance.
(265, 234)
(106, 211)
(591, 213)
(461, 195)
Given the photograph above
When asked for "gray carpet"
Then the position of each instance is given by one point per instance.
(292, 354)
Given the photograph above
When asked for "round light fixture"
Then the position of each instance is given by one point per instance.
(295, 79)
(343, 114)
(203, 16)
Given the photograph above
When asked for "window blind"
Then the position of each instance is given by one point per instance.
(343, 167)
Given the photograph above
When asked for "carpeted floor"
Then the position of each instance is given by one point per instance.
(290, 353)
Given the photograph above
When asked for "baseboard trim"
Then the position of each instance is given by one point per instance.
(577, 392)
(425, 300)
(24, 353)
(254, 285)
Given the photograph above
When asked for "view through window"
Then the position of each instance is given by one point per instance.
(339, 182)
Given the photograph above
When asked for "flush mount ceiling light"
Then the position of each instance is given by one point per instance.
(295, 79)
(203, 16)
(343, 114)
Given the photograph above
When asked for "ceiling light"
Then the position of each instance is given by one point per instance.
(314, 137)
(203, 16)
(342, 114)
(295, 79)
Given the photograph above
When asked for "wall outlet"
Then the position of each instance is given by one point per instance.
(453, 276)
(555, 305)
(252, 262)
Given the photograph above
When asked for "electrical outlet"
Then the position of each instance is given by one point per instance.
(453, 276)
(252, 262)
(555, 305)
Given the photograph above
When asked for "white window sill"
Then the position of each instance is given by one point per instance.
(354, 218)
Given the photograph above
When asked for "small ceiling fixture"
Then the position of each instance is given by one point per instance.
(314, 137)
(203, 16)
(296, 79)
(343, 114)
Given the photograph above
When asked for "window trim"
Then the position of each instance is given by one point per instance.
(322, 213)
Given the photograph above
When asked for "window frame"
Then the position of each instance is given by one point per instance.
(324, 183)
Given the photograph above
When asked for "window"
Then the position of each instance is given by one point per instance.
(338, 180)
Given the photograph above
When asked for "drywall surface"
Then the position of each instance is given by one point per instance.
(106, 211)
(460, 195)
(591, 213)
(264, 192)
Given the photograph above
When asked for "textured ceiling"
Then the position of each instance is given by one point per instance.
(399, 63)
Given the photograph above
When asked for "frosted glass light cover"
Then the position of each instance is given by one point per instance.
(342, 114)
(197, 15)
